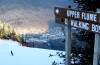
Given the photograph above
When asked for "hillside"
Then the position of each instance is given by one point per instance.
(25, 55)
(31, 16)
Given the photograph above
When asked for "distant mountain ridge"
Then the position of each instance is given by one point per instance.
(29, 15)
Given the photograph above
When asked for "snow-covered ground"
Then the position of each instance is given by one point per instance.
(25, 55)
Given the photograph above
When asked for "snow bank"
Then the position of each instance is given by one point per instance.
(8, 43)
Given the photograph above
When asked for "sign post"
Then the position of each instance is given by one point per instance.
(67, 43)
(67, 31)
(86, 20)
(96, 49)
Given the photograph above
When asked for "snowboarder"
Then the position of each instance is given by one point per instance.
(11, 53)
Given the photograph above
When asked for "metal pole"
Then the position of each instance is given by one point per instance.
(96, 48)
(67, 43)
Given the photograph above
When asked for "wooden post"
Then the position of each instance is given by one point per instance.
(67, 43)
(96, 49)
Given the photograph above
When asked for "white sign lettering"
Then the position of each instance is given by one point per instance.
(74, 14)
(82, 15)
(80, 24)
(95, 28)
(66, 21)
(88, 16)
(83, 25)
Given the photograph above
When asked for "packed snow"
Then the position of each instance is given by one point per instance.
(25, 55)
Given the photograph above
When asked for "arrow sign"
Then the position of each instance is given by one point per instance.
(57, 11)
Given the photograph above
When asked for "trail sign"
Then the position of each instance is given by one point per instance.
(86, 20)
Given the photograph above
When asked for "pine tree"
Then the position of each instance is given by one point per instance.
(6, 32)
(88, 5)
